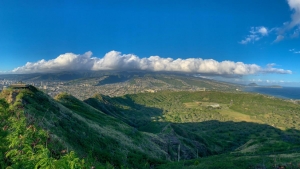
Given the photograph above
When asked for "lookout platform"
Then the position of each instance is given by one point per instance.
(19, 86)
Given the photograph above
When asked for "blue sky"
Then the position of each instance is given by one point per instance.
(261, 36)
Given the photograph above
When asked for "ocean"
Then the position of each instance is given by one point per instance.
(284, 92)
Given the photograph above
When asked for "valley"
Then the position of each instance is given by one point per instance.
(163, 129)
(147, 84)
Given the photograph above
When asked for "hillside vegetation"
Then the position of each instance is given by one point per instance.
(205, 124)
(72, 125)
(166, 129)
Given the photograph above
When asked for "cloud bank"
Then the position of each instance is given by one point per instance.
(114, 60)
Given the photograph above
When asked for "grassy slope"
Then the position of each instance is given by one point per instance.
(248, 131)
(80, 127)
(249, 124)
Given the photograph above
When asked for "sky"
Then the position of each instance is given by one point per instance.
(237, 41)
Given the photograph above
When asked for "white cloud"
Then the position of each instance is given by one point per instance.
(289, 29)
(263, 31)
(256, 33)
(64, 62)
(294, 51)
(296, 33)
(270, 69)
(295, 7)
(294, 24)
(114, 60)
(279, 38)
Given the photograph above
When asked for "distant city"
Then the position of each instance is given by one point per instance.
(113, 85)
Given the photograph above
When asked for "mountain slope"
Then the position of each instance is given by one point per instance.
(199, 129)
(208, 123)
(89, 132)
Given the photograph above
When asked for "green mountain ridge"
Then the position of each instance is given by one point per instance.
(79, 127)
(183, 121)
(167, 129)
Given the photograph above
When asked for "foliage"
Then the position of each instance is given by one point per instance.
(146, 130)
(244, 123)
(75, 126)
(24, 145)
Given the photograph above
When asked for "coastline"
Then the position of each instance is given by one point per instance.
(286, 93)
